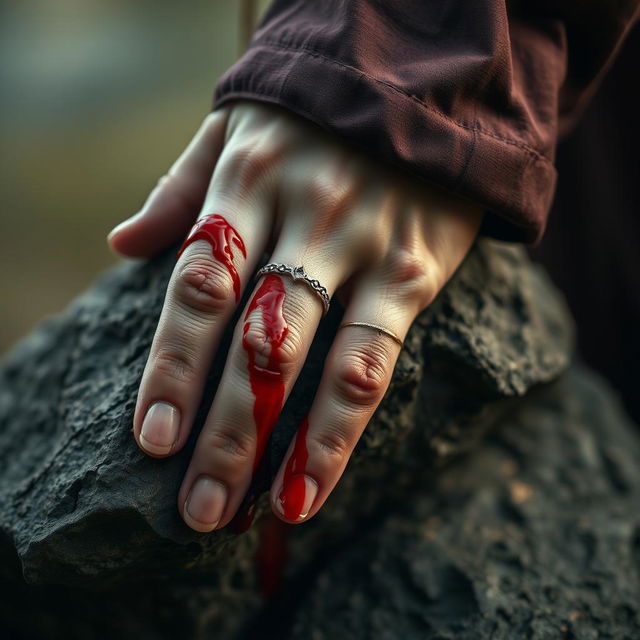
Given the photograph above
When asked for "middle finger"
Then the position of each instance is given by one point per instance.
(268, 350)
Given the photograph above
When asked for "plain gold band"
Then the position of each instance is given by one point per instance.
(373, 326)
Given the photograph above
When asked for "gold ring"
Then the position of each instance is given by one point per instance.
(373, 326)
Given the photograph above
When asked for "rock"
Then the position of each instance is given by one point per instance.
(83, 508)
(536, 535)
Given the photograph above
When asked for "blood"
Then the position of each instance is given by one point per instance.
(243, 518)
(293, 485)
(267, 382)
(272, 554)
(220, 235)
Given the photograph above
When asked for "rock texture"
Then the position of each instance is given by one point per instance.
(407, 546)
(536, 535)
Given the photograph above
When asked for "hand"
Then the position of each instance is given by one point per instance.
(384, 242)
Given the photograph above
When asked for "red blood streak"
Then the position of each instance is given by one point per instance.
(272, 554)
(243, 519)
(267, 382)
(219, 234)
(293, 486)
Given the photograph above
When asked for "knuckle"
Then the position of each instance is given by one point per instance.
(414, 277)
(249, 164)
(324, 192)
(176, 364)
(290, 351)
(332, 441)
(258, 341)
(232, 442)
(405, 265)
(361, 376)
(426, 295)
(204, 286)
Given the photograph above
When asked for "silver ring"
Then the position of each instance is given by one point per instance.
(373, 326)
(297, 273)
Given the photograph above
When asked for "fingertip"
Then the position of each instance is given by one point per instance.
(200, 527)
(129, 240)
(118, 239)
(152, 451)
(294, 501)
(301, 519)
(114, 244)
(205, 504)
(156, 450)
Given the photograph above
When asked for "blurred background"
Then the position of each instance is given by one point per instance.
(100, 96)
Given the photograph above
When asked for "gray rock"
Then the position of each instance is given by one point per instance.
(82, 508)
(536, 535)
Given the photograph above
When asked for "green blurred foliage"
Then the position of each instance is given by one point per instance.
(98, 99)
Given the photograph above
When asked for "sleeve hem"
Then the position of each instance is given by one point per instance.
(512, 180)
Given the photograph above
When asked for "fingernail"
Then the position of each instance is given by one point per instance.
(297, 496)
(204, 506)
(160, 428)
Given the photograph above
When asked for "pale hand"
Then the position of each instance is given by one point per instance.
(384, 242)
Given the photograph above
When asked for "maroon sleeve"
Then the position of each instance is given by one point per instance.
(471, 95)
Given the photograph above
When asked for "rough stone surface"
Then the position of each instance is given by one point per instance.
(536, 535)
(91, 538)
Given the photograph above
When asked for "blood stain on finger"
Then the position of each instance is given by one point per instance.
(267, 382)
(293, 492)
(221, 236)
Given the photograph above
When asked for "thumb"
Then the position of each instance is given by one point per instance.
(171, 208)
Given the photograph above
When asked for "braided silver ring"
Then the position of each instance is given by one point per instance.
(297, 273)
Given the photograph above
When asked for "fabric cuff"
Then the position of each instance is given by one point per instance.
(512, 180)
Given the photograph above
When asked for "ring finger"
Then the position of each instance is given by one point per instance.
(356, 375)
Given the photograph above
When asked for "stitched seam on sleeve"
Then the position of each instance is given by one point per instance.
(424, 105)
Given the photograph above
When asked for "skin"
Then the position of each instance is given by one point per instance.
(383, 243)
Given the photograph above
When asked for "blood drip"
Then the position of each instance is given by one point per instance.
(220, 235)
(293, 485)
(272, 554)
(243, 518)
(267, 382)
